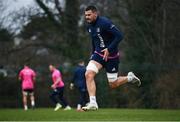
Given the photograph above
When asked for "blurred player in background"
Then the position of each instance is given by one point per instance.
(27, 76)
(58, 89)
(105, 38)
(79, 81)
(3, 72)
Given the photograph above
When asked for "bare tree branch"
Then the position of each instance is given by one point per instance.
(49, 13)
(58, 7)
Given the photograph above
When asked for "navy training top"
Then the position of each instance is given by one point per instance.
(104, 34)
(79, 77)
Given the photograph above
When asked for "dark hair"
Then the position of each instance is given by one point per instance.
(92, 8)
(27, 64)
(78, 61)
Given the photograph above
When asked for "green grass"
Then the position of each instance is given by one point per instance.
(47, 114)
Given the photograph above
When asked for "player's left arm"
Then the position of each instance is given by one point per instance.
(73, 80)
(118, 36)
(58, 79)
(110, 28)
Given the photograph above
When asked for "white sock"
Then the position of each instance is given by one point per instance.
(129, 78)
(58, 104)
(32, 103)
(78, 106)
(92, 99)
(25, 107)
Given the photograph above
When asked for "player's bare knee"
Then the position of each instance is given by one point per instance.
(89, 75)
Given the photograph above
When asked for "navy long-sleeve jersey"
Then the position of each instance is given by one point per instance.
(79, 77)
(104, 34)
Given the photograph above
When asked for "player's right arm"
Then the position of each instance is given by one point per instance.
(20, 76)
(56, 82)
(73, 80)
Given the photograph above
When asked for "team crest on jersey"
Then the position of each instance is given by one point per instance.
(112, 26)
(114, 69)
(98, 30)
(89, 30)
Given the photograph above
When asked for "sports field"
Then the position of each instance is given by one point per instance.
(47, 114)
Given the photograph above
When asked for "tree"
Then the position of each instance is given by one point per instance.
(149, 40)
(71, 30)
(67, 24)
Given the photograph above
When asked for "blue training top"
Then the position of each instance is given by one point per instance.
(79, 77)
(104, 34)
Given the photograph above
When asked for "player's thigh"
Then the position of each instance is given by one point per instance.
(31, 92)
(60, 91)
(98, 65)
(24, 93)
(92, 69)
(54, 93)
(95, 64)
(112, 69)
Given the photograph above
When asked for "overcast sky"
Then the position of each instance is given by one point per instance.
(14, 5)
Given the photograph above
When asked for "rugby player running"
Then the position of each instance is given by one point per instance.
(105, 39)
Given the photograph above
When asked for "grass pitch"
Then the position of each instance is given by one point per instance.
(47, 114)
